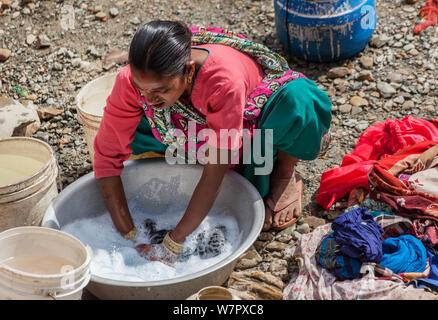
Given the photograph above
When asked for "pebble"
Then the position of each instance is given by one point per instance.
(296, 235)
(395, 77)
(114, 12)
(413, 52)
(303, 228)
(429, 108)
(277, 246)
(30, 38)
(46, 113)
(43, 41)
(57, 67)
(4, 54)
(362, 125)
(76, 62)
(408, 47)
(101, 16)
(365, 75)
(345, 108)
(399, 100)
(358, 101)
(379, 41)
(266, 236)
(135, 21)
(6, 4)
(337, 72)
(385, 89)
(287, 232)
(93, 51)
(314, 222)
(356, 110)
(278, 268)
(366, 62)
(408, 105)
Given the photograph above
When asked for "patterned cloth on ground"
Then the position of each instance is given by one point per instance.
(387, 187)
(313, 282)
(393, 225)
(331, 258)
(425, 181)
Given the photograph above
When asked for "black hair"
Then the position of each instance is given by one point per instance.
(161, 47)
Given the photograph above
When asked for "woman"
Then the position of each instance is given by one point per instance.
(217, 80)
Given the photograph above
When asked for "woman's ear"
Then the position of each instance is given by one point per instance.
(190, 71)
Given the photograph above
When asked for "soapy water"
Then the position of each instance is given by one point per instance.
(116, 258)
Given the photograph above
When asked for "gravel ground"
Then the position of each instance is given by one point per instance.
(393, 77)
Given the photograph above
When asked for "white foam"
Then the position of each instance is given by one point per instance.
(116, 258)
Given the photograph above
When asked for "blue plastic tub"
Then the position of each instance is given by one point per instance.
(327, 30)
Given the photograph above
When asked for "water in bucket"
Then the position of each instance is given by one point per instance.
(40, 264)
(15, 168)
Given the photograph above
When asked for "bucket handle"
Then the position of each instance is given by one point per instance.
(82, 281)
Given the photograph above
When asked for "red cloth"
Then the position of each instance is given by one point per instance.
(220, 91)
(376, 142)
(387, 187)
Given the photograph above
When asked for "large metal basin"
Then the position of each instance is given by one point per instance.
(169, 186)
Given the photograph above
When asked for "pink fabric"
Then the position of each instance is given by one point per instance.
(376, 142)
(220, 91)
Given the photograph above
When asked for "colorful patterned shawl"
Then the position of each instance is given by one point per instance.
(164, 123)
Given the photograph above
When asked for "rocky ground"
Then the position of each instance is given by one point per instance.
(44, 63)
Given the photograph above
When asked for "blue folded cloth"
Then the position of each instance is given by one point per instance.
(358, 235)
(329, 257)
(404, 254)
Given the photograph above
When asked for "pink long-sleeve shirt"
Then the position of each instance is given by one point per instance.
(221, 89)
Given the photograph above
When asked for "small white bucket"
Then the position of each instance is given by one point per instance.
(32, 249)
(24, 202)
(90, 103)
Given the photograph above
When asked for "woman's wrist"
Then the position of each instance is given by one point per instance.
(175, 247)
(176, 236)
(131, 235)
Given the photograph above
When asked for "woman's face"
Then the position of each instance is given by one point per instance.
(159, 92)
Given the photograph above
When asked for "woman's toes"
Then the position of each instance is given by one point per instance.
(268, 219)
(279, 218)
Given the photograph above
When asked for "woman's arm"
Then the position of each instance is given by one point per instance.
(114, 196)
(121, 117)
(202, 200)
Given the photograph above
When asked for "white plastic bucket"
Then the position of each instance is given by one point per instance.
(90, 103)
(67, 284)
(24, 202)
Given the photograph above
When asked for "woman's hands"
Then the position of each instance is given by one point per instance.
(157, 252)
(166, 252)
(200, 204)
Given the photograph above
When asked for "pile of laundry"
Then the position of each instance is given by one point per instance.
(385, 244)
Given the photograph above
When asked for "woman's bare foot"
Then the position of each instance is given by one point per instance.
(283, 205)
